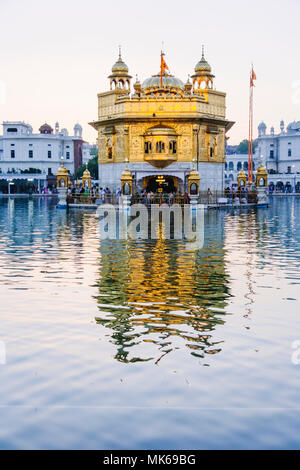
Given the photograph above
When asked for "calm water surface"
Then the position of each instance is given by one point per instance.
(144, 344)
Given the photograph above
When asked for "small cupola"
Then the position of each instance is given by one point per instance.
(202, 78)
(119, 78)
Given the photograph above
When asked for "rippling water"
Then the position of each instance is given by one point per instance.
(144, 344)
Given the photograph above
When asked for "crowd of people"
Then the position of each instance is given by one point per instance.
(150, 197)
(81, 193)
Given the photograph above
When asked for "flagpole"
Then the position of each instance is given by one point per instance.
(249, 134)
(250, 142)
(161, 67)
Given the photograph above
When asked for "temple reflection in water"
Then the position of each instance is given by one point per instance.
(156, 297)
(151, 298)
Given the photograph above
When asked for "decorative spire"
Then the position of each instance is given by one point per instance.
(120, 57)
(202, 51)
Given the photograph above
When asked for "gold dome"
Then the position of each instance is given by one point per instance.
(120, 66)
(242, 174)
(261, 168)
(62, 171)
(86, 173)
(126, 173)
(194, 173)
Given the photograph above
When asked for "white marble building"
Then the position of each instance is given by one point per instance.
(24, 154)
(86, 152)
(234, 163)
(280, 153)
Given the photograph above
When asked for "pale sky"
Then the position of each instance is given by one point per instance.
(56, 55)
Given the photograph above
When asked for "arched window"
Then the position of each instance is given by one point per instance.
(231, 166)
(245, 165)
(160, 147)
(173, 148)
(239, 166)
(226, 167)
(126, 189)
(231, 176)
(148, 147)
(194, 189)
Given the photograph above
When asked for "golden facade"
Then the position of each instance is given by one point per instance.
(162, 127)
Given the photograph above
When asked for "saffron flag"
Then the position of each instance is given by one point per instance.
(252, 77)
(163, 66)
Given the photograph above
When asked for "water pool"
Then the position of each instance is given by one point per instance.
(144, 344)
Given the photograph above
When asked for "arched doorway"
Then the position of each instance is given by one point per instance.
(161, 184)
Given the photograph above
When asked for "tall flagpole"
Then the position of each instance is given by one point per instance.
(250, 141)
(161, 68)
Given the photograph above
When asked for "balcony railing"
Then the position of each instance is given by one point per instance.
(207, 198)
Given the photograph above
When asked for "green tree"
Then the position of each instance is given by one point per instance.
(92, 167)
(243, 146)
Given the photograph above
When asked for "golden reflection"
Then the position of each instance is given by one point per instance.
(156, 297)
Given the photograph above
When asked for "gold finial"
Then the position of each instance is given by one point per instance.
(120, 58)
(202, 51)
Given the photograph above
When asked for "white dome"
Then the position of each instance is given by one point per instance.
(294, 126)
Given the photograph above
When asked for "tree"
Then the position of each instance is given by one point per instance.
(243, 146)
(92, 167)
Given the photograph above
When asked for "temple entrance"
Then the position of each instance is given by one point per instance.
(160, 184)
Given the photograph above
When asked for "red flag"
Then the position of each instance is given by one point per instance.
(163, 67)
(252, 77)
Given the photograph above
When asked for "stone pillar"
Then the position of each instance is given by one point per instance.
(62, 198)
(193, 186)
(62, 178)
(86, 179)
(126, 188)
(242, 179)
(261, 182)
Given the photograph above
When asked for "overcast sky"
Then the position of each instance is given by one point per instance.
(56, 55)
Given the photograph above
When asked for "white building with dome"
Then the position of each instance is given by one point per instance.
(280, 153)
(28, 155)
